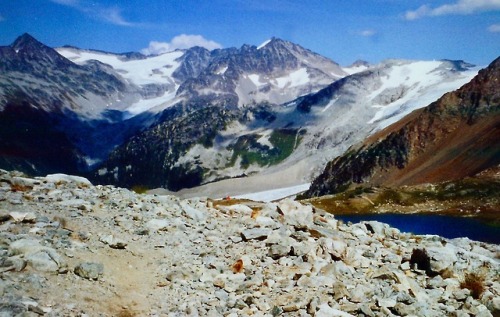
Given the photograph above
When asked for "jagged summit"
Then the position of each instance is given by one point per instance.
(29, 50)
(26, 41)
(277, 71)
(272, 41)
(263, 44)
(275, 44)
(280, 46)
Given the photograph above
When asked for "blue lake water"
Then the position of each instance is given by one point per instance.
(445, 226)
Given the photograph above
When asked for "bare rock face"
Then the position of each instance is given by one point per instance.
(145, 255)
(454, 137)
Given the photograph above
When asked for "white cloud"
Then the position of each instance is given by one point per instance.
(459, 7)
(420, 12)
(111, 15)
(368, 33)
(494, 28)
(182, 41)
(155, 48)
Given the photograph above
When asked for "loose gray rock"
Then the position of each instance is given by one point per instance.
(8, 309)
(23, 246)
(46, 260)
(158, 224)
(89, 270)
(192, 213)
(255, 233)
(296, 214)
(28, 217)
(12, 264)
(442, 258)
(278, 250)
(113, 242)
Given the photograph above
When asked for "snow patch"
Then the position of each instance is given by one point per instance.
(275, 194)
(410, 86)
(63, 178)
(294, 79)
(91, 161)
(150, 70)
(222, 70)
(263, 44)
(148, 104)
(255, 78)
(264, 139)
(330, 104)
(102, 171)
(354, 69)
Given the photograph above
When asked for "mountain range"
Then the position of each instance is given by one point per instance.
(194, 116)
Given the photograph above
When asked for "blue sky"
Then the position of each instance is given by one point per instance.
(339, 29)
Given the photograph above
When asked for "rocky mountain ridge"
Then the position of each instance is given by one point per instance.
(276, 72)
(100, 127)
(454, 137)
(70, 248)
(84, 103)
(36, 73)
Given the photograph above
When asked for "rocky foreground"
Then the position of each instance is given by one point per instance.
(68, 248)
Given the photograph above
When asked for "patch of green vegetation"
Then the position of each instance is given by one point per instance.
(466, 189)
(247, 147)
(284, 141)
(357, 192)
(348, 202)
(391, 196)
(461, 189)
(470, 196)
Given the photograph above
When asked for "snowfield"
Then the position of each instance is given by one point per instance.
(151, 70)
(410, 86)
(275, 194)
(143, 105)
(297, 78)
